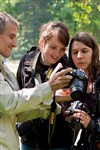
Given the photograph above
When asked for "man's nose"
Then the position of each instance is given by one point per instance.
(14, 43)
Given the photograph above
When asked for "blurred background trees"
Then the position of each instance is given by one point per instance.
(78, 15)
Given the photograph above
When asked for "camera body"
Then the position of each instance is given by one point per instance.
(77, 105)
(78, 85)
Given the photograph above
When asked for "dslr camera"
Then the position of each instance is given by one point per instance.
(77, 105)
(78, 84)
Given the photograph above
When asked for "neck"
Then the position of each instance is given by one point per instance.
(42, 60)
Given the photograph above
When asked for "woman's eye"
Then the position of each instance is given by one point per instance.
(75, 52)
(63, 49)
(85, 51)
(52, 47)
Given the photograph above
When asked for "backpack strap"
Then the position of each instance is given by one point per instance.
(26, 73)
(33, 48)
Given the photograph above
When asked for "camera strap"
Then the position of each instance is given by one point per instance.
(77, 133)
(52, 116)
(52, 119)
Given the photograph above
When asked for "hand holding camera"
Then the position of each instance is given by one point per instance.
(77, 85)
(79, 112)
(60, 79)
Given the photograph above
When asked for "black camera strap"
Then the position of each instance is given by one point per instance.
(52, 116)
(52, 119)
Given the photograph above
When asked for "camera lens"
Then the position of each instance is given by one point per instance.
(78, 84)
(77, 89)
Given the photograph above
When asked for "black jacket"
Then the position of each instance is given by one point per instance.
(37, 134)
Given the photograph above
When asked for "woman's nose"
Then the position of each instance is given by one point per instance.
(57, 53)
(79, 55)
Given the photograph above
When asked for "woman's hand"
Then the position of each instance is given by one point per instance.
(84, 119)
(82, 116)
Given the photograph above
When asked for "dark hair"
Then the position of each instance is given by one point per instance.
(89, 41)
(55, 27)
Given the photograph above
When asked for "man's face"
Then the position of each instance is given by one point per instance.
(8, 39)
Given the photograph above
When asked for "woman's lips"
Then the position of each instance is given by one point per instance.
(81, 63)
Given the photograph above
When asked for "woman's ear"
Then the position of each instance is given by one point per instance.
(41, 44)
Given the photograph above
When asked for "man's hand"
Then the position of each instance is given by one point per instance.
(60, 79)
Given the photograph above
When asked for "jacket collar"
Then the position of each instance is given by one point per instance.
(36, 61)
(2, 69)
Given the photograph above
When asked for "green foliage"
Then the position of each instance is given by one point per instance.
(78, 15)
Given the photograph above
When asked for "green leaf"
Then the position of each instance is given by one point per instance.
(98, 7)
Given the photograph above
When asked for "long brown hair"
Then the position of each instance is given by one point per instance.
(89, 41)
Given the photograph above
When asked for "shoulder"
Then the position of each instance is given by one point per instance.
(29, 55)
(33, 48)
(97, 81)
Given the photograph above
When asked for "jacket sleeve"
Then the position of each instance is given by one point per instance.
(33, 114)
(94, 126)
(14, 102)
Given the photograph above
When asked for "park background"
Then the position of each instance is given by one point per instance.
(78, 15)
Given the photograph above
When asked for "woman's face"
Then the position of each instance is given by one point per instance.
(81, 55)
(51, 51)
